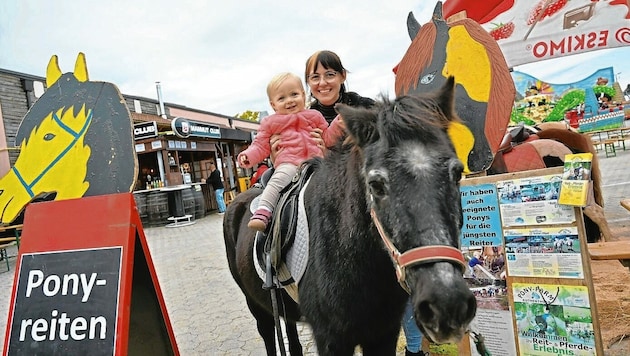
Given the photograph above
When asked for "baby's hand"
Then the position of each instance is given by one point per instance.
(244, 160)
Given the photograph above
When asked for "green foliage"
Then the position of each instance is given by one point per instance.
(249, 115)
(516, 117)
(569, 100)
(598, 89)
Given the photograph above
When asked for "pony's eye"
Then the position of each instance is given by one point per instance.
(378, 189)
(49, 136)
(377, 181)
(455, 168)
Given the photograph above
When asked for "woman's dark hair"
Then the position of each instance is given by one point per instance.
(329, 60)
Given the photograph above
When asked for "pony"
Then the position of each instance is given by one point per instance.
(391, 187)
(76, 140)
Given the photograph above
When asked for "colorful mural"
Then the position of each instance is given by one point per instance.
(588, 104)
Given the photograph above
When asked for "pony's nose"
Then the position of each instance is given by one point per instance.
(444, 305)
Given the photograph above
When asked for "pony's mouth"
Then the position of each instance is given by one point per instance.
(435, 336)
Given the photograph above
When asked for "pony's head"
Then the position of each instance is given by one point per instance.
(75, 141)
(412, 175)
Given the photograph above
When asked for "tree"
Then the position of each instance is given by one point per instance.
(249, 115)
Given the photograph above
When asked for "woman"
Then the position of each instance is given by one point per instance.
(326, 76)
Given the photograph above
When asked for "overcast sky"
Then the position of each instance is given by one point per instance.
(219, 55)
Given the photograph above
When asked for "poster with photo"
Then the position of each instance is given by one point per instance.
(553, 320)
(486, 268)
(533, 201)
(481, 217)
(544, 252)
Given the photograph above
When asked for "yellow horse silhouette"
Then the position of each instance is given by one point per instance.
(72, 143)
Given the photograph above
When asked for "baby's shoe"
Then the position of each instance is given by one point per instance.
(260, 220)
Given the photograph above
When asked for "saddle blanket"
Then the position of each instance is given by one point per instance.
(297, 256)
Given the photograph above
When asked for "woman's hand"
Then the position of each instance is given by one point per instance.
(316, 134)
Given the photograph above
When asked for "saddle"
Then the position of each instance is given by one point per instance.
(273, 245)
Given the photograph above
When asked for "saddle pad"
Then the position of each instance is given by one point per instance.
(297, 256)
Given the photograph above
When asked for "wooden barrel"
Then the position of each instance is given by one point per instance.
(141, 205)
(200, 204)
(188, 201)
(157, 208)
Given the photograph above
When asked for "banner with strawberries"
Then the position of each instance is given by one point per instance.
(535, 30)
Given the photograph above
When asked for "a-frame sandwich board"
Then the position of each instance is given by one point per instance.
(85, 283)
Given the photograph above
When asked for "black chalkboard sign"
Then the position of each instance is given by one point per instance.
(66, 303)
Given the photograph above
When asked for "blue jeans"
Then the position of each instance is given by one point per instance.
(220, 202)
(412, 332)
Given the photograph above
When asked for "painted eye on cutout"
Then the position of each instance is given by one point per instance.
(49, 136)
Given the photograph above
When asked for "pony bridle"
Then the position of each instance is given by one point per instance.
(418, 255)
(76, 135)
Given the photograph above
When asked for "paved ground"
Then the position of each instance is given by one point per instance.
(207, 309)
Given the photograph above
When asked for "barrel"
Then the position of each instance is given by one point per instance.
(141, 205)
(200, 204)
(188, 201)
(157, 208)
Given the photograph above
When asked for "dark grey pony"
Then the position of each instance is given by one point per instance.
(397, 181)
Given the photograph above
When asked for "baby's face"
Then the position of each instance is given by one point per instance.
(289, 97)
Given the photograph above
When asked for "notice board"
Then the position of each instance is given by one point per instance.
(534, 286)
(85, 283)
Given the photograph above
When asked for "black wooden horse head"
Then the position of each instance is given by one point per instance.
(412, 173)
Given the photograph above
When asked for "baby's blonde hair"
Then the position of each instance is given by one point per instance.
(278, 79)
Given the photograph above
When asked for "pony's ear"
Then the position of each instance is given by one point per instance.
(446, 98)
(360, 123)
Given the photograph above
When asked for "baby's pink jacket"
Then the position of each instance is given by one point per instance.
(295, 135)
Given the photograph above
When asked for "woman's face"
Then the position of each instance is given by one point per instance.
(325, 84)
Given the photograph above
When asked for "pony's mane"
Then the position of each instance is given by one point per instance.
(412, 117)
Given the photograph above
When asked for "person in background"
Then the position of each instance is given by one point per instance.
(294, 124)
(216, 183)
(262, 167)
(413, 335)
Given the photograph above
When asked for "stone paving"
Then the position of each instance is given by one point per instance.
(208, 311)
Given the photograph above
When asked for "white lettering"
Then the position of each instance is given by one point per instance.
(64, 328)
(35, 278)
(87, 286)
(69, 284)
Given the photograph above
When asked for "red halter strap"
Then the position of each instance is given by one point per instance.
(425, 254)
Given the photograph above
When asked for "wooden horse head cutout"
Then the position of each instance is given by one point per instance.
(75, 141)
(484, 88)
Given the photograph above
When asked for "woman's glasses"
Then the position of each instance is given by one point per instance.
(328, 77)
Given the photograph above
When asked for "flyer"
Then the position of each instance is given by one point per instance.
(553, 320)
(544, 252)
(496, 328)
(576, 177)
(481, 217)
(533, 201)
